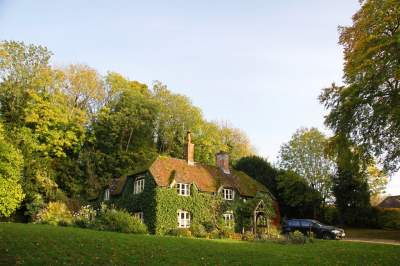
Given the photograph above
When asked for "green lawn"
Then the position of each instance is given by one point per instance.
(31, 244)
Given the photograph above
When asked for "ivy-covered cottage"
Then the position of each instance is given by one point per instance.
(174, 193)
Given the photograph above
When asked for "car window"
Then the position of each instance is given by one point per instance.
(306, 223)
(294, 223)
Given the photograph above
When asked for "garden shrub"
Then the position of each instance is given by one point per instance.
(180, 232)
(226, 232)
(198, 230)
(119, 221)
(85, 217)
(248, 236)
(209, 226)
(329, 215)
(55, 213)
(214, 234)
(272, 233)
(389, 219)
(297, 237)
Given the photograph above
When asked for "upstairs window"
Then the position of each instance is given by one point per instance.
(107, 195)
(183, 219)
(183, 189)
(138, 186)
(228, 218)
(229, 194)
(139, 215)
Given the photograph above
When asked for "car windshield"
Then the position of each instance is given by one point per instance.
(318, 223)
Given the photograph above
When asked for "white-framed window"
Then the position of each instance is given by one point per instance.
(107, 194)
(139, 215)
(183, 189)
(229, 194)
(228, 218)
(183, 219)
(138, 186)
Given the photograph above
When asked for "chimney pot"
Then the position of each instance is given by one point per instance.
(222, 159)
(189, 149)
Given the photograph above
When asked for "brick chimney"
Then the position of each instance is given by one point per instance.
(222, 159)
(189, 149)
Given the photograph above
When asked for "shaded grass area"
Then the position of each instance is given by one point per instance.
(373, 234)
(30, 244)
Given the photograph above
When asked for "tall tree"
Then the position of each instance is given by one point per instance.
(177, 115)
(21, 67)
(350, 182)
(367, 107)
(122, 134)
(305, 155)
(259, 169)
(296, 198)
(84, 88)
(11, 163)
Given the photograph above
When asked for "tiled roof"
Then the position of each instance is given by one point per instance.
(207, 178)
(390, 202)
(116, 185)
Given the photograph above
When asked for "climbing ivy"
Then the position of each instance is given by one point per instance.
(160, 206)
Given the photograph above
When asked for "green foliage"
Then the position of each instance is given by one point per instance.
(11, 163)
(329, 215)
(297, 198)
(202, 207)
(297, 237)
(21, 66)
(198, 230)
(273, 233)
(226, 232)
(350, 184)
(122, 133)
(119, 221)
(76, 129)
(178, 115)
(386, 218)
(144, 202)
(248, 236)
(54, 213)
(367, 108)
(34, 206)
(85, 217)
(305, 155)
(180, 232)
(259, 169)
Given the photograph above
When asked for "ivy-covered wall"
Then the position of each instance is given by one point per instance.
(160, 206)
(203, 208)
(142, 202)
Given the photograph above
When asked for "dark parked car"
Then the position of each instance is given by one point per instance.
(306, 226)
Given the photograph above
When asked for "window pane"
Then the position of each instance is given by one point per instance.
(305, 223)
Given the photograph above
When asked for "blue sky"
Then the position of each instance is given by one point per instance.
(258, 64)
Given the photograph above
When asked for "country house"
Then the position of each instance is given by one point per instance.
(174, 193)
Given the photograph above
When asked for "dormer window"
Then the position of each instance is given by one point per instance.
(229, 194)
(183, 189)
(107, 194)
(138, 186)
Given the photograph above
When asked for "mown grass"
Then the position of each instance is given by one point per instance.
(30, 244)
